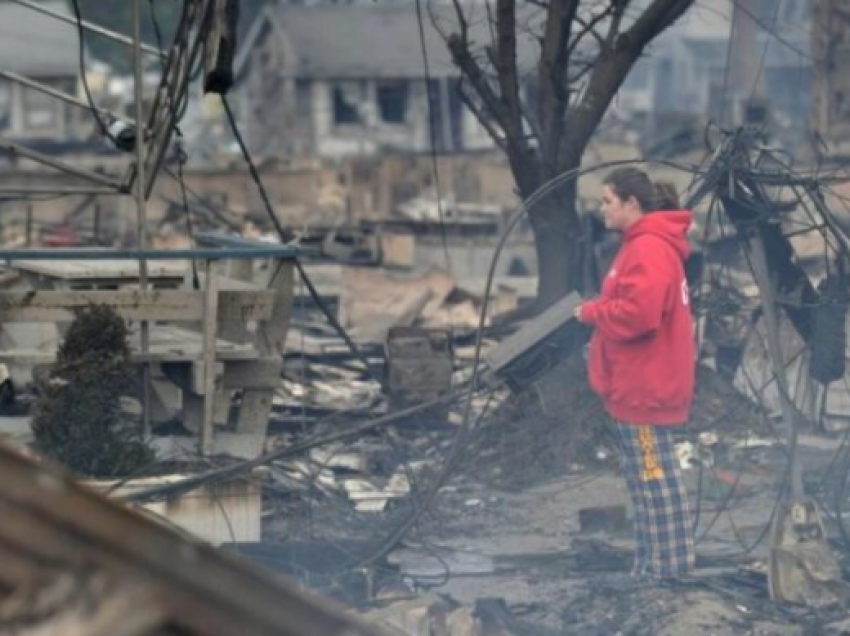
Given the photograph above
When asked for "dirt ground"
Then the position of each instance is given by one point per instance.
(506, 529)
(526, 548)
(557, 580)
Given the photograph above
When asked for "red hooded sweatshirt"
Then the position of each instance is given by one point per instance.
(641, 360)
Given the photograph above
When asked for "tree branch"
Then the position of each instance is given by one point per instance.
(459, 47)
(462, 23)
(474, 74)
(553, 98)
(660, 15)
(490, 21)
(589, 28)
(614, 27)
(610, 71)
(482, 118)
(577, 73)
(536, 130)
(505, 63)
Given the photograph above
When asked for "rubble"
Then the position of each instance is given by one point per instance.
(611, 519)
(419, 365)
(367, 497)
(498, 527)
(431, 615)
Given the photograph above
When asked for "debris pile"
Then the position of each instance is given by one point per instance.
(556, 427)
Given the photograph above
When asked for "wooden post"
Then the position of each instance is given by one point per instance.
(774, 350)
(236, 330)
(29, 225)
(446, 132)
(96, 230)
(210, 321)
(141, 212)
(271, 342)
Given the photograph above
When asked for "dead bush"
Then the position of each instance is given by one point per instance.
(78, 416)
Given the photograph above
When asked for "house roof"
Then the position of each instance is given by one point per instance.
(35, 44)
(372, 40)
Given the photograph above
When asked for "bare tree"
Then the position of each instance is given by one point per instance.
(586, 49)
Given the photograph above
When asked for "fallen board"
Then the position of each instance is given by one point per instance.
(134, 304)
(532, 333)
(167, 344)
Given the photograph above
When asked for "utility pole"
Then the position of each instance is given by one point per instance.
(744, 67)
(141, 203)
(830, 96)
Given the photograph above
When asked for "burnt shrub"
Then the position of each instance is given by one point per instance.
(78, 419)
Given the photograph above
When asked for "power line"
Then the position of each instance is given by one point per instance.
(286, 235)
(81, 54)
(725, 92)
(771, 30)
(757, 78)
(432, 132)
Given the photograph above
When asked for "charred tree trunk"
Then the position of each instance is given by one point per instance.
(554, 222)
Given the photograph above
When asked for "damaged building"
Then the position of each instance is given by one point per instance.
(321, 74)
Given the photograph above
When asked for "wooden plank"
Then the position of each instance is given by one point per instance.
(168, 343)
(254, 413)
(193, 413)
(137, 305)
(271, 341)
(245, 305)
(240, 276)
(172, 342)
(231, 283)
(101, 269)
(263, 373)
(59, 306)
(197, 376)
(154, 356)
(177, 448)
(27, 356)
(271, 334)
(532, 332)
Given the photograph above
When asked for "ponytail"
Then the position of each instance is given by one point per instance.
(666, 197)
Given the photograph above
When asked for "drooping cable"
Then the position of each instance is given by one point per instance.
(181, 161)
(81, 54)
(432, 129)
(285, 236)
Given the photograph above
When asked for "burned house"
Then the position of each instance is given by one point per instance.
(334, 81)
(830, 115)
(686, 76)
(38, 47)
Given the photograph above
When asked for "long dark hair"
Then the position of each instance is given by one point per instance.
(632, 182)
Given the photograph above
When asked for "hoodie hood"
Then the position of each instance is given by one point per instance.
(672, 226)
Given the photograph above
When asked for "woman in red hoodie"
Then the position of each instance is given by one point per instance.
(641, 362)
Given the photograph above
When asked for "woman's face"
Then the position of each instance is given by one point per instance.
(618, 214)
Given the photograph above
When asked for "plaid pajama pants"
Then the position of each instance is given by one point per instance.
(664, 541)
